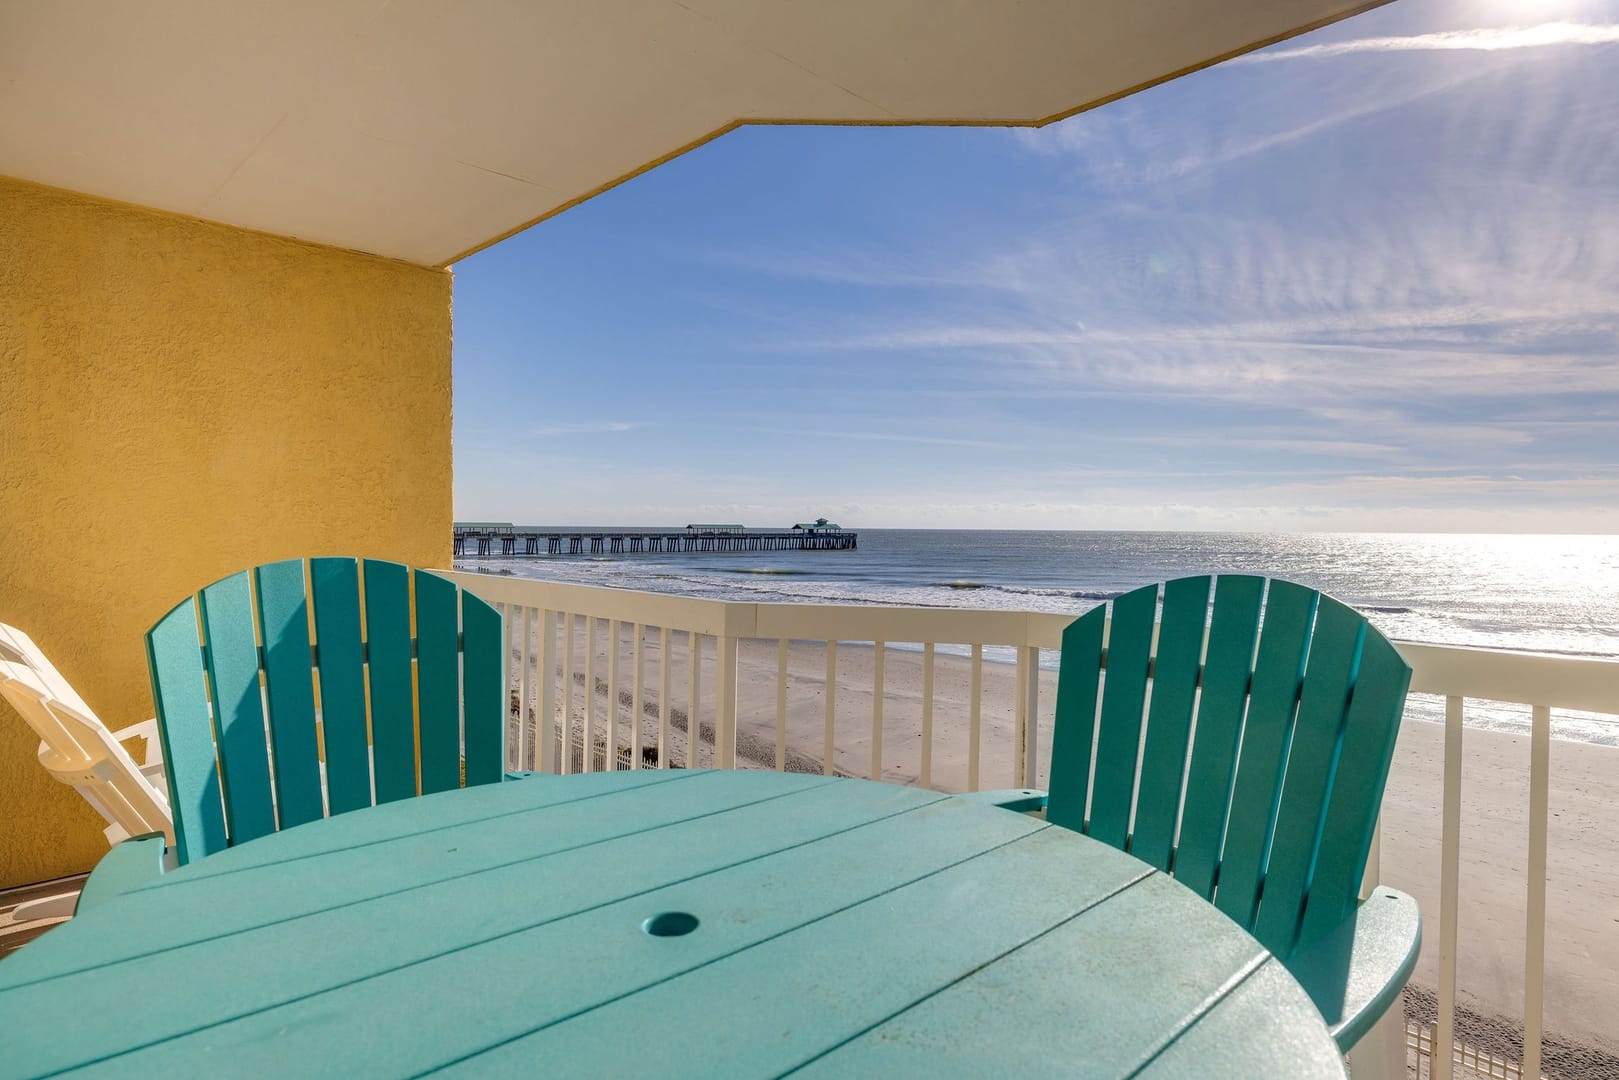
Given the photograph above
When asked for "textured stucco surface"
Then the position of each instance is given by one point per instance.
(181, 400)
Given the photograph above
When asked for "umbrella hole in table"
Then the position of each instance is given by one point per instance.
(670, 924)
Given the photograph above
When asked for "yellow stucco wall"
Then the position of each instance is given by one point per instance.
(179, 400)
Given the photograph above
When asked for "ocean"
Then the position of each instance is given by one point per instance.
(1555, 594)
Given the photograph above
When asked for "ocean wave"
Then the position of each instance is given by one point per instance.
(765, 571)
(1029, 590)
(1385, 610)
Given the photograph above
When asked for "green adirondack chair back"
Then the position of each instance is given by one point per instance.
(1288, 704)
(237, 686)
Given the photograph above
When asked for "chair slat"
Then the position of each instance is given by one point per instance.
(1075, 724)
(233, 676)
(335, 589)
(393, 713)
(483, 674)
(284, 626)
(1278, 670)
(438, 682)
(1169, 719)
(1357, 791)
(1328, 675)
(1124, 691)
(179, 690)
(1233, 629)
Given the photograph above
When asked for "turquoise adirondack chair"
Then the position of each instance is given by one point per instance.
(1288, 704)
(216, 718)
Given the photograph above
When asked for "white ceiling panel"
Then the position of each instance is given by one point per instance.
(421, 130)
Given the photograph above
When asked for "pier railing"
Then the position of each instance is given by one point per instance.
(508, 540)
(958, 699)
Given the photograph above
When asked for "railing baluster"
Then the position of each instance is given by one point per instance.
(610, 756)
(525, 758)
(1534, 975)
(663, 697)
(590, 694)
(781, 705)
(635, 696)
(879, 649)
(507, 612)
(567, 693)
(975, 709)
(831, 705)
(694, 727)
(546, 691)
(926, 777)
(1027, 771)
(1449, 891)
(725, 647)
(1020, 716)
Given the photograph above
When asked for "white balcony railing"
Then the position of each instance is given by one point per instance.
(962, 699)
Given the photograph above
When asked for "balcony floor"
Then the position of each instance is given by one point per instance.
(14, 935)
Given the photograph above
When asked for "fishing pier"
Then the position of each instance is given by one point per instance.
(484, 539)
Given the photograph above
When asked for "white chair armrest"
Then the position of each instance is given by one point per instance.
(133, 864)
(46, 907)
(146, 729)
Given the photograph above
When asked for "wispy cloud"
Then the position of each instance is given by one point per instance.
(1485, 39)
(1292, 297)
(595, 427)
(877, 436)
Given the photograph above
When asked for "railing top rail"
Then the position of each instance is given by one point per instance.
(1588, 684)
(1561, 682)
(857, 622)
(629, 605)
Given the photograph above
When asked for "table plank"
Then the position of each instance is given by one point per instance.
(1101, 994)
(571, 956)
(834, 977)
(1258, 1030)
(445, 811)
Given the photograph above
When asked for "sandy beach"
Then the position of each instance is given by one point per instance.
(1582, 907)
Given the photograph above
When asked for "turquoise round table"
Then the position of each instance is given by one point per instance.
(713, 923)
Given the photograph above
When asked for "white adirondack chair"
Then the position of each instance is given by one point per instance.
(77, 749)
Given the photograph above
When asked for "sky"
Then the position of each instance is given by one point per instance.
(1366, 279)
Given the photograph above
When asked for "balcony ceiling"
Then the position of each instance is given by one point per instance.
(423, 130)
